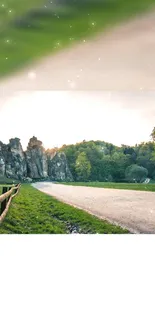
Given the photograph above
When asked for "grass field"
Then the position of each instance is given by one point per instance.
(41, 32)
(122, 186)
(33, 212)
(3, 185)
(12, 8)
(5, 180)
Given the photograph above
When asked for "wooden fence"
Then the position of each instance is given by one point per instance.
(8, 193)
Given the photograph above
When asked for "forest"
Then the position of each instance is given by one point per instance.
(101, 161)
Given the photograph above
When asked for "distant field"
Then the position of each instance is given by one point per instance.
(33, 212)
(123, 186)
(40, 31)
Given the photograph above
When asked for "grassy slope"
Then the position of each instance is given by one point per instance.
(27, 44)
(17, 7)
(5, 180)
(125, 186)
(33, 212)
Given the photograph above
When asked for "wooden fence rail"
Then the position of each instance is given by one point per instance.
(8, 193)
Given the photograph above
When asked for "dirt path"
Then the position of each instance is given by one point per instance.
(120, 59)
(134, 210)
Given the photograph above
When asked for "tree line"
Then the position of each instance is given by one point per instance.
(102, 161)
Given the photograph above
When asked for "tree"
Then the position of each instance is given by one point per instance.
(105, 169)
(110, 162)
(153, 134)
(130, 152)
(82, 167)
(145, 156)
(135, 173)
(119, 163)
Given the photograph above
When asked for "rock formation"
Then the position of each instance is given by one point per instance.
(15, 160)
(2, 159)
(12, 160)
(34, 163)
(58, 168)
(36, 159)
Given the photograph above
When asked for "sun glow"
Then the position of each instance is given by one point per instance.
(59, 118)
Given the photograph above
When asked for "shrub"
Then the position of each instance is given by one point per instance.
(135, 173)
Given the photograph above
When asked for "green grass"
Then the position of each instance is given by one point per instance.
(5, 180)
(4, 185)
(19, 46)
(122, 186)
(33, 212)
(17, 7)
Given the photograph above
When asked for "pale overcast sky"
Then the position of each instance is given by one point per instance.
(58, 118)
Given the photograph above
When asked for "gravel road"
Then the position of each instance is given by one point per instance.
(134, 210)
(121, 58)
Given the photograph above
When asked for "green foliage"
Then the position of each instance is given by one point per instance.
(5, 180)
(136, 173)
(119, 163)
(82, 167)
(153, 176)
(153, 134)
(33, 212)
(145, 156)
(109, 162)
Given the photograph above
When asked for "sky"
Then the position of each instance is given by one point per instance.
(61, 117)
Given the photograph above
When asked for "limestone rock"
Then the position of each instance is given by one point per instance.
(34, 163)
(15, 162)
(36, 159)
(2, 159)
(58, 169)
(27, 180)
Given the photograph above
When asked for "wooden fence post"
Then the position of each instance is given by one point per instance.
(9, 190)
(17, 188)
(3, 204)
(8, 193)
